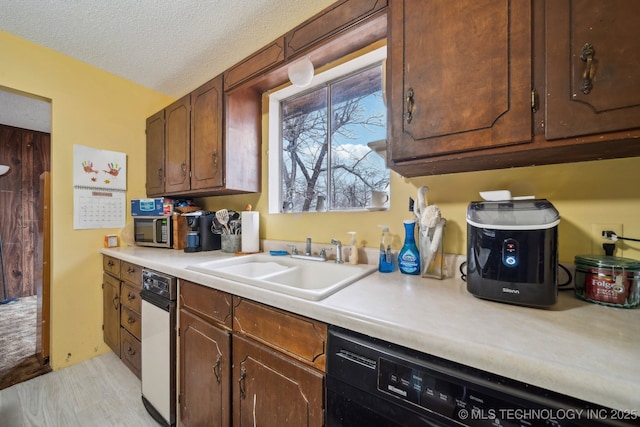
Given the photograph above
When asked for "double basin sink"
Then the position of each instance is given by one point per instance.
(305, 279)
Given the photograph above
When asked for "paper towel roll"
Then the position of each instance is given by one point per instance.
(250, 231)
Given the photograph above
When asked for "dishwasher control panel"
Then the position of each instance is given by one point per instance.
(390, 385)
(160, 284)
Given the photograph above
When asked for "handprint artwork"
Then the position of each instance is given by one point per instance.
(114, 169)
(88, 167)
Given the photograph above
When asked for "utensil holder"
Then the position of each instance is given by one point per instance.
(431, 256)
(230, 243)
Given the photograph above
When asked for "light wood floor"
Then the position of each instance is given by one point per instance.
(97, 392)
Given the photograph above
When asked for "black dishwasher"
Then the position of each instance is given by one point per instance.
(373, 383)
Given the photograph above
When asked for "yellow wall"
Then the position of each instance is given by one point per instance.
(93, 108)
(586, 193)
(96, 109)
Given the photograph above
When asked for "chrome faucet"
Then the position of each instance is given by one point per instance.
(307, 249)
(338, 244)
(322, 256)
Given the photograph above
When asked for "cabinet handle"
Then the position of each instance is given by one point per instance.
(216, 369)
(131, 296)
(183, 166)
(110, 263)
(586, 54)
(160, 174)
(131, 320)
(115, 301)
(214, 157)
(131, 270)
(241, 381)
(131, 351)
(409, 103)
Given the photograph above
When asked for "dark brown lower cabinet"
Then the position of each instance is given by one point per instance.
(272, 390)
(111, 311)
(205, 369)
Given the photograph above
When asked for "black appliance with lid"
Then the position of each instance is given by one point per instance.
(512, 251)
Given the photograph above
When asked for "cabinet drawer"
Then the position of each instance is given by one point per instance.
(208, 303)
(130, 320)
(130, 297)
(131, 273)
(299, 337)
(111, 265)
(130, 352)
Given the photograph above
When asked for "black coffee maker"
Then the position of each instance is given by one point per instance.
(200, 237)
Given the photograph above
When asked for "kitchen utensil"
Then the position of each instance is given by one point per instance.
(222, 216)
(436, 242)
(430, 216)
(421, 203)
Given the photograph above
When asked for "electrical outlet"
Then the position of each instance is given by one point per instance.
(597, 239)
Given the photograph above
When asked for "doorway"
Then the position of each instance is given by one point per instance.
(24, 238)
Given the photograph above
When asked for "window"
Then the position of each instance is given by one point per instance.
(324, 139)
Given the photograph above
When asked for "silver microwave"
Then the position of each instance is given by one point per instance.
(156, 231)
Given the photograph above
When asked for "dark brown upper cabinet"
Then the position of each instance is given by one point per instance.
(261, 61)
(177, 146)
(155, 154)
(459, 76)
(196, 160)
(340, 16)
(592, 67)
(491, 84)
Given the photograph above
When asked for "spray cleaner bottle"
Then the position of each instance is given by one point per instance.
(409, 257)
(385, 264)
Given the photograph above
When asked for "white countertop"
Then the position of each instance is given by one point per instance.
(576, 348)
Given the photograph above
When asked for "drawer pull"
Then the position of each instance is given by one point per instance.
(586, 54)
(409, 103)
(216, 369)
(115, 302)
(131, 351)
(131, 320)
(131, 270)
(110, 263)
(131, 296)
(241, 381)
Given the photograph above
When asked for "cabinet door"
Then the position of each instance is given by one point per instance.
(459, 75)
(155, 154)
(272, 390)
(111, 312)
(177, 151)
(204, 373)
(596, 89)
(206, 135)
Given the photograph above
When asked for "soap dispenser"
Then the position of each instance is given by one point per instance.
(385, 264)
(353, 255)
(409, 257)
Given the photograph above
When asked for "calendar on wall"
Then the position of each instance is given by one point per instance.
(99, 188)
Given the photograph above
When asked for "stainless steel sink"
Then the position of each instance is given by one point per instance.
(301, 278)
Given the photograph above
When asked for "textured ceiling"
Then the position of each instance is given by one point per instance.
(171, 46)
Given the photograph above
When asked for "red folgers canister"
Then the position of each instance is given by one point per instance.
(608, 280)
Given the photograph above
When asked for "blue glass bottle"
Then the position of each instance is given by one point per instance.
(409, 257)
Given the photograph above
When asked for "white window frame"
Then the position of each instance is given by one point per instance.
(274, 152)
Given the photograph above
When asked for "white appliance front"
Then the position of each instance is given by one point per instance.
(156, 362)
